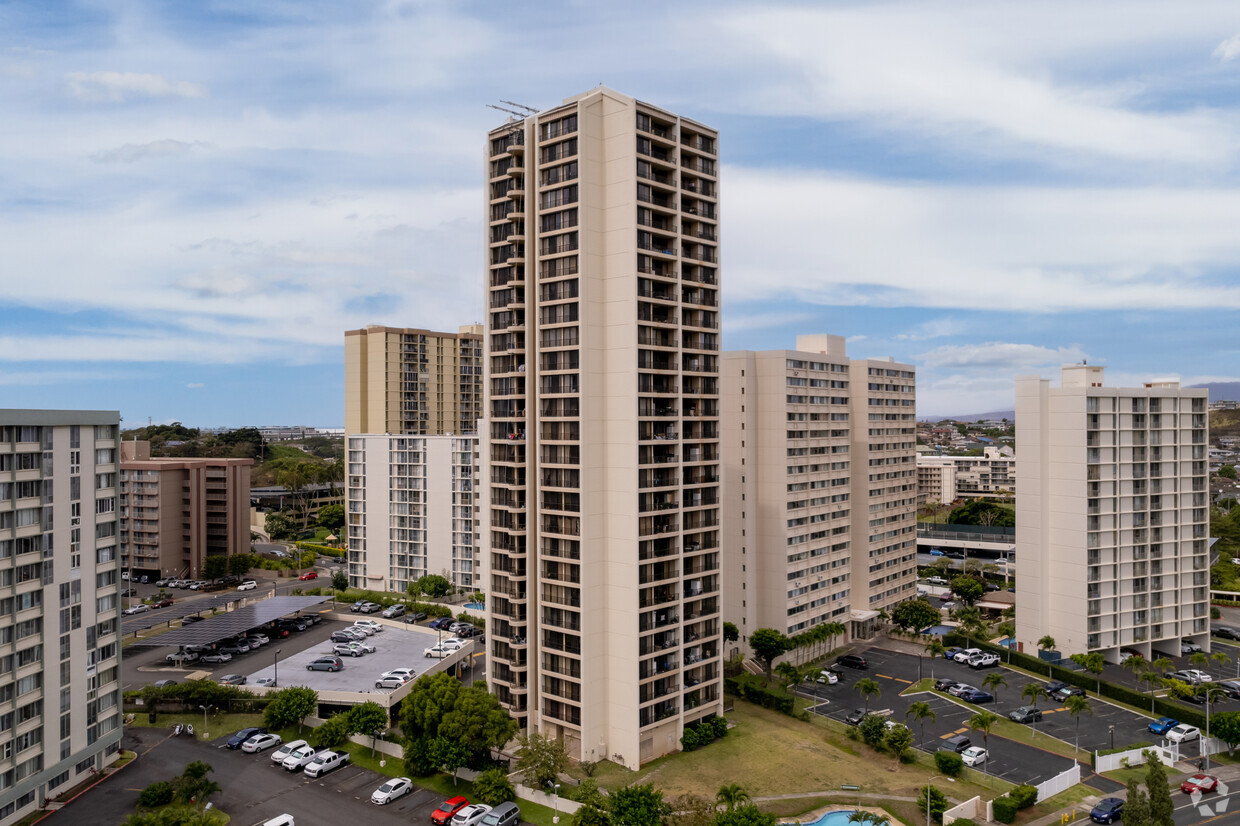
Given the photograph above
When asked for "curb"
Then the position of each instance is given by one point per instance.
(103, 777)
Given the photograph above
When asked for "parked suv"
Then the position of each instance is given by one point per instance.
(852, 661)
(393, 611)
(956, 743)
(331, 663)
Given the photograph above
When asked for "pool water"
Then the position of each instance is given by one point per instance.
(831, 819)
(477, 606)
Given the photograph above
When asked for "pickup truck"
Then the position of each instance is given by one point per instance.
(983, 660)
(325, 761)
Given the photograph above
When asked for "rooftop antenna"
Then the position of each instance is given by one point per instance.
(516, 113)
(530, 109)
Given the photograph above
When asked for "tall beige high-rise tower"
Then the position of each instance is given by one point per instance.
(1112, 515)
(412, 382)
(819, 462)
(600, 461)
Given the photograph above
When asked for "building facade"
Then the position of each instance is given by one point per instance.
(174, 513)
(1112, 515)
(820, 487)
(944, 479)
(601, 449)
(413, 381)
(411, 510)
(60, 714)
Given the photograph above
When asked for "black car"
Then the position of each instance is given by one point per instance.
(1226, 632)
(293, 625)
(943, 684)
(852, 661)
(240, 737)
(191, 618)
(416, 616)
(1026, 714)
(340, 636)
(855, 716)
(956, 743)
(1068, 691)
(1230, 687)
(1053, 686)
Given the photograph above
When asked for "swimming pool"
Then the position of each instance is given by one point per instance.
(838, 818)
(477, 606)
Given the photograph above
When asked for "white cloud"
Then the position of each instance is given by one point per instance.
(129, 153)
(194, 385)
(998, 354)
(1229, 49)
(934, 328)
(741, 322)
(114, 87)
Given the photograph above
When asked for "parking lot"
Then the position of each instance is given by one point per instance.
(253, 788)
(1013, 761)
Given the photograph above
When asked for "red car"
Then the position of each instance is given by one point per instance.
(310, 575)
(163, 603)
(1200, 783)
(443, 815)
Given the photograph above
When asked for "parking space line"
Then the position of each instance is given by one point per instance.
(884, 676)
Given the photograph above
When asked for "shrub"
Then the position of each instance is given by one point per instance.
(325, 550)
(493, 787)
(156, 794)
(1024, 795)
(872, 730)
(332, 733)
(751, 690)
(964, 821)
(1004, 809)
(948, 762)
(720, 725)
(689, 740)
(1215, 613)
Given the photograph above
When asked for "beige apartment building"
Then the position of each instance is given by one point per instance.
(411, 511)
(415, 382)
(175, 512)
(944, 479)
(600, 456)
(1112, 516)
(820, 487)
(60, 691)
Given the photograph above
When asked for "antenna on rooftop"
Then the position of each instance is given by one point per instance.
(529, 109)
(516, 113)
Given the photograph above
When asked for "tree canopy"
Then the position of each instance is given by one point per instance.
(768, 644)
(915, 614)
(982, 512)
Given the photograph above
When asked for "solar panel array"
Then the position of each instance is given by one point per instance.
(214, 629)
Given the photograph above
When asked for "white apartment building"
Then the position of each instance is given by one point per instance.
(1112, 516)
(600, 452)
(411, 510)
(819, 463)
(59, 610)
(945, 479)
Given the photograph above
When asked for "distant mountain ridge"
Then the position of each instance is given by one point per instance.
(1219, 391)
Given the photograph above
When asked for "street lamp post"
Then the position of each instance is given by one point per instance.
(205, 709)
(556, 790)
(1112, 729)
(928, 782)
(275, 678)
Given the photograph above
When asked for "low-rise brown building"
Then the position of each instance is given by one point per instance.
(174, 513)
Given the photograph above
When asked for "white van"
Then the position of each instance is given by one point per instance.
(280, 820)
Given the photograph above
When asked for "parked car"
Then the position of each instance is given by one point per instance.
(438, 651)
(1053, 686)
(404, 673)
(1226, 632)
(232, 679)
(360, 631)
(1026, 714)
(331, 663)
(164, 683)
(444, 814)
(298, 758)
(267, 681)
(453, 643)
(936, 580)
(216, 657)
(1204, 783)
(1189, 647)
(442, 624)
(351, 649)
(984, 660)
(505, 814)
(827, 677)
(395, 788)
(960, 688)
(357, 606)
(957, 743)
(390, 681)
(1230, 687)
(950, 654)
(974, 756)
(368, 623)
(371, 608)
(977, 696)
(393, 611)
(261, 742)
(852, 661)
(161, 583)
(943, 684)
(471, 815)
(162, 603)
(235, 648)
(854, 717)
(343, 636)
(186, 620)
(288, 748)
(257, 637)
(1163, 725)
(1183, 733)
(1068, 691)
(324, 762)
(181, 657)
(1191, 676)
(136, 609)
(129, 592)
(309, 575)
(416, 616)
(1108, 810)
(965, 654)
(248, 585)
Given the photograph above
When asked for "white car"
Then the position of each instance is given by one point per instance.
(299, 758)
(470, 815)
(403, 673)
(439, 651)
(261, 742)
(248, 585)
(391, 790)
(364, 630)
(454, 643)
(136, 609)
(391, 681)
(963, 656)
(1191, 676)
(369, 623)
(974, 756)
(1183, 734)
(287, 749)
(828, 677)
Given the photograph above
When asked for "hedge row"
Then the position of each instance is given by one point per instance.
(749, 689)
(1120, 693)
(325, 550)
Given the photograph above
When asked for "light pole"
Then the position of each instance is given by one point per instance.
(275, 678)
(205, 709)
(1112, 729)
(928, 782)
(556, 791)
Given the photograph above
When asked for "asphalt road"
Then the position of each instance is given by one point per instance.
(1013, 761)
(253, 788)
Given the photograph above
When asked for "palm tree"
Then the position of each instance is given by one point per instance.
(867, 688)
(1162, 665)
(921, 711)
(1153, 679)
(1047, 643)
(1221, 658)
(983, 721)
(788, 673)
(1008, 629)
(835, 629)
(1076, 706)
(1199, 659)
(1136, 664)
(731, 796)
(994, 681)
(934, 650)
(1032, 691)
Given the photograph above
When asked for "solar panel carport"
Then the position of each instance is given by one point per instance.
(140, 622)
(231, 623)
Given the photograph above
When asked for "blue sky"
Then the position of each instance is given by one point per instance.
(197, 199)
